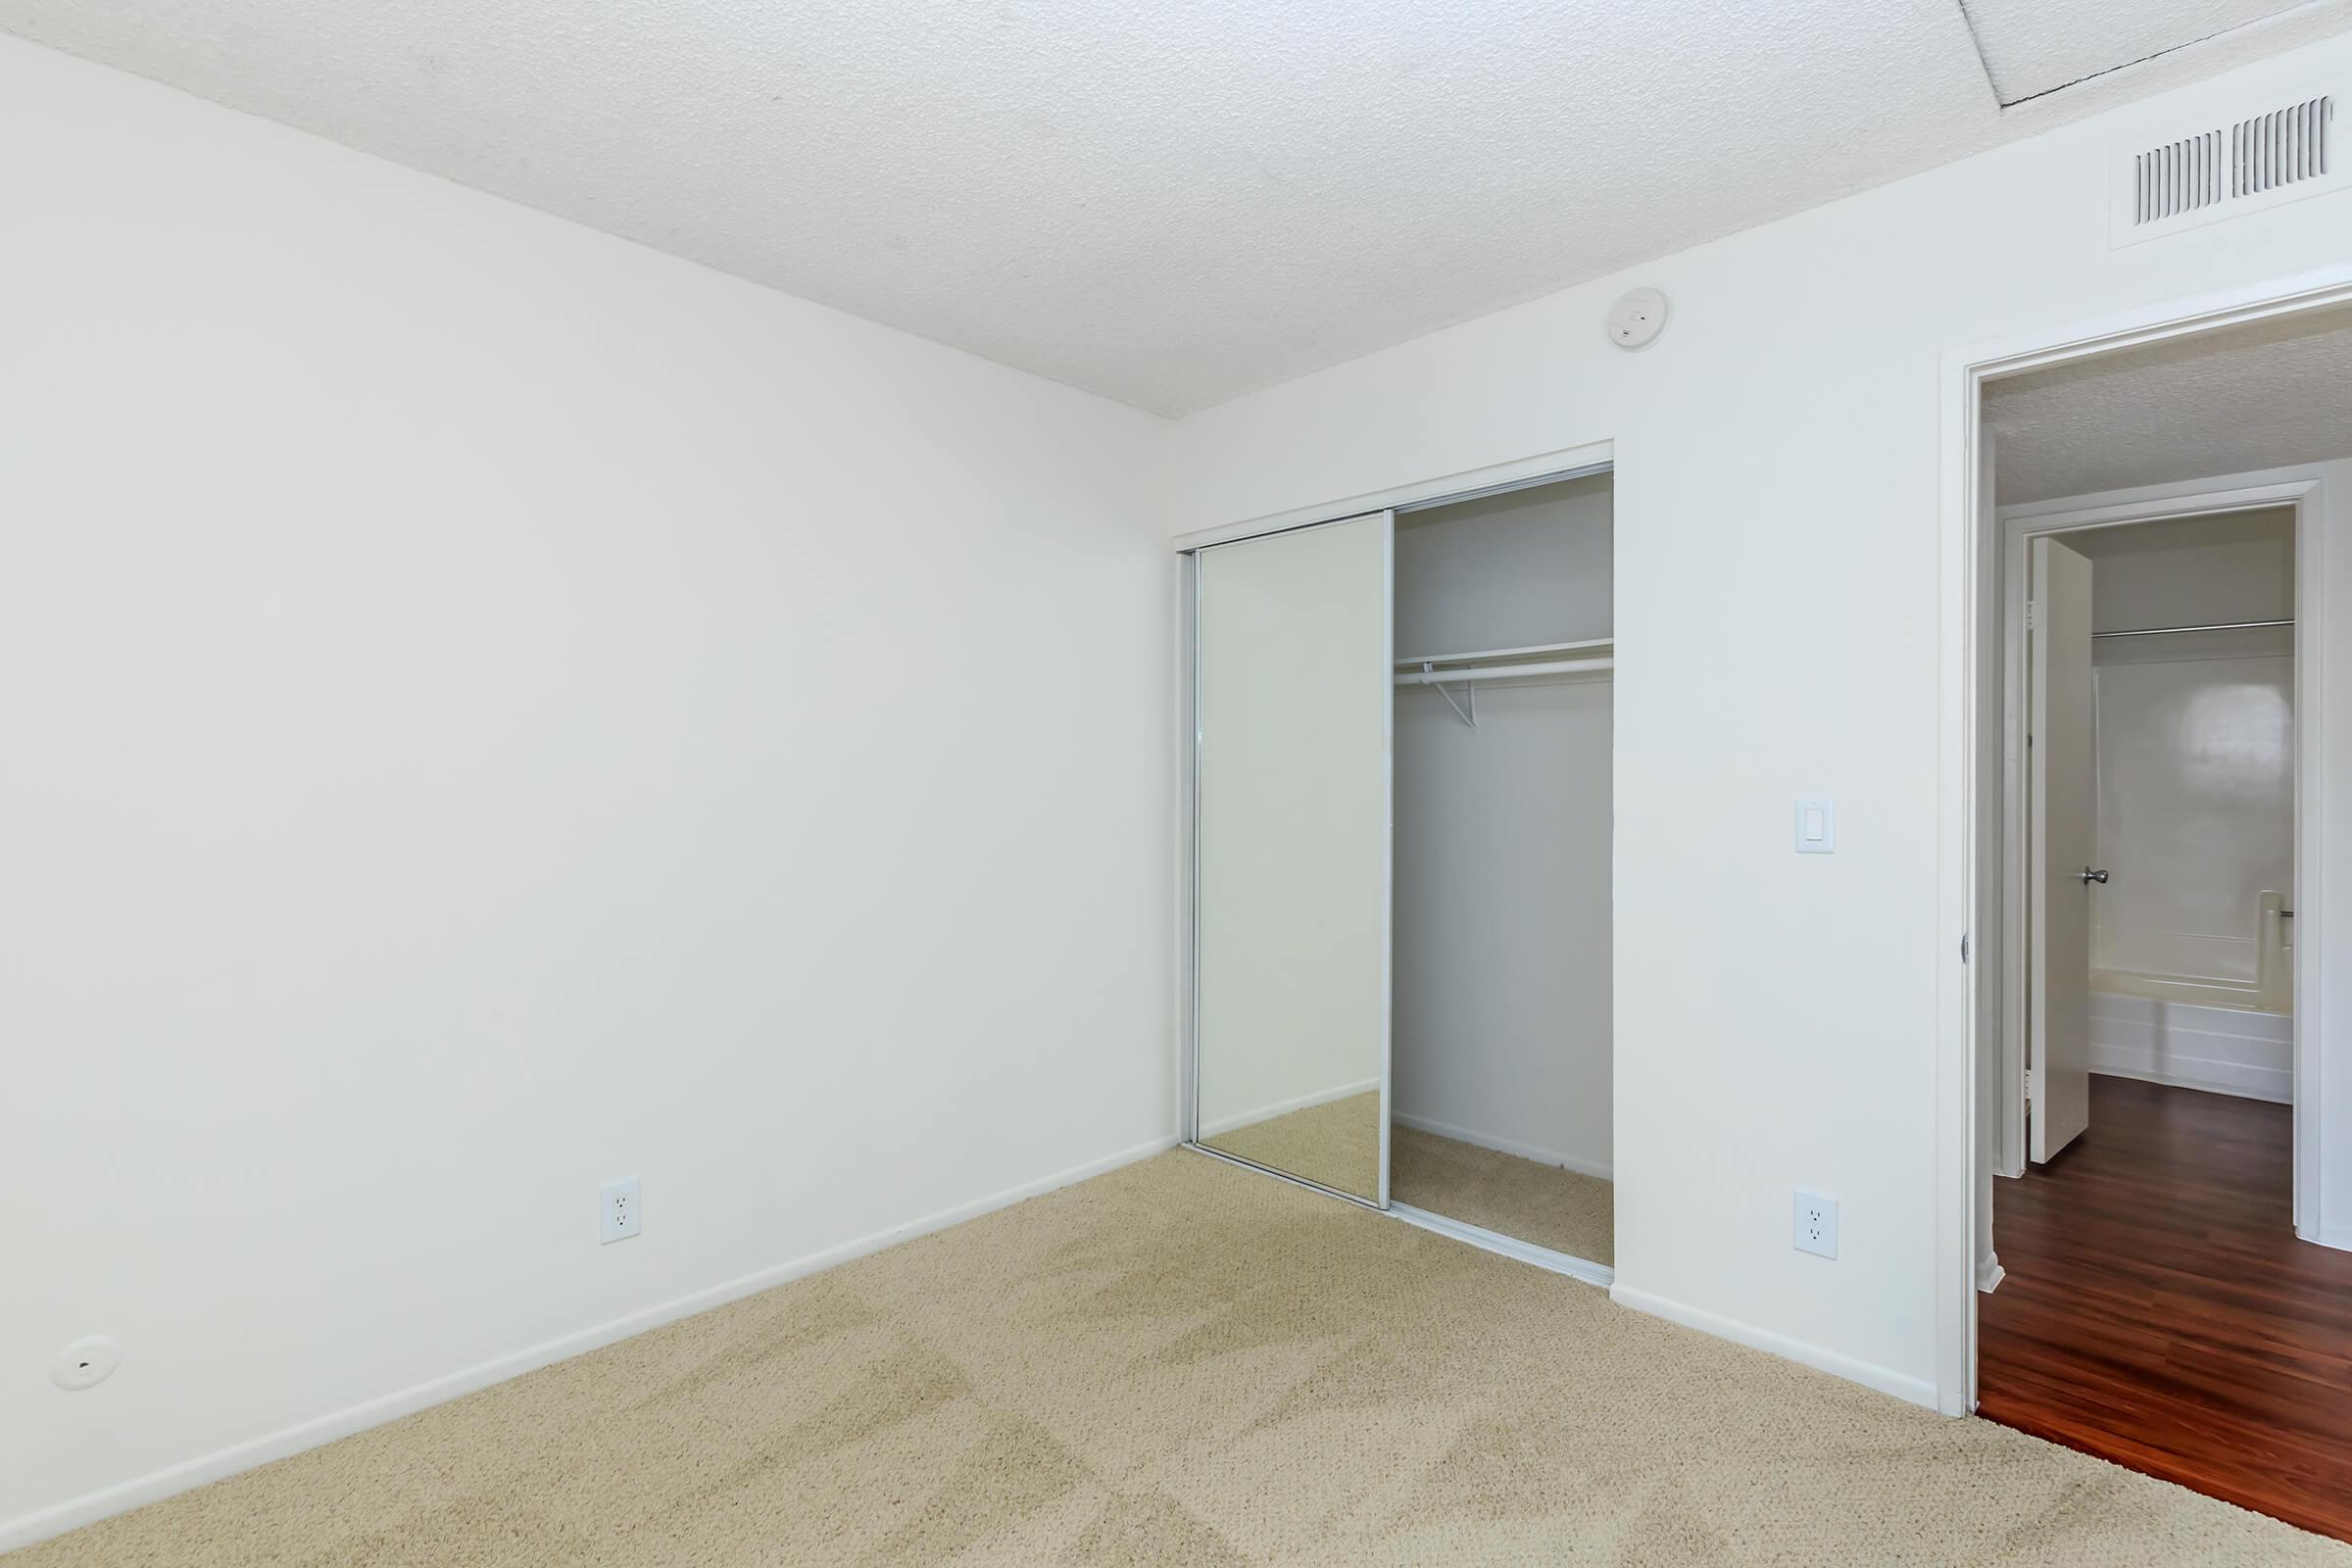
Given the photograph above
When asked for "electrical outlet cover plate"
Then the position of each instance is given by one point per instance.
(621, 1211)
(1816, 1224)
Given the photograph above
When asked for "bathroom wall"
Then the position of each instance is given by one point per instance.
(1502, 1022)
(2195, 742)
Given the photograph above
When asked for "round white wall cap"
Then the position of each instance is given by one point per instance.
(86, 1364)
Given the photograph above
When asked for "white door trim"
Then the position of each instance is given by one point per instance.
(2301, 488)
(1962, 1047)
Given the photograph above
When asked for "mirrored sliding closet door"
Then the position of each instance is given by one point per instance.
(1291, 891)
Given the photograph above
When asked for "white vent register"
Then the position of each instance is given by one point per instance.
(2261, 160)
(2177, 177)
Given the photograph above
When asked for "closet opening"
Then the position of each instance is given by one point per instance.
(1401, 833)
(1499, 1117)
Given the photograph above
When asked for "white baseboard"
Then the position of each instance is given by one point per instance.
(1321, 1096)
(1989, 1273)
(89, 1508)
(1917, 1391)
(1504, 1146)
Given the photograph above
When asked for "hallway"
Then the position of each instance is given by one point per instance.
(2159, 1312)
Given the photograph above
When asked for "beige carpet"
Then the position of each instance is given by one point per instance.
(1522, 1199)
(1184, 1362)
(1337, 1145)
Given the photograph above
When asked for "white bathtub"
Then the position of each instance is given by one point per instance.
(2196, 1034)
(2195, 995)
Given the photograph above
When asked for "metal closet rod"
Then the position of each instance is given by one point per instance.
(1470, 677)
(2225, 625)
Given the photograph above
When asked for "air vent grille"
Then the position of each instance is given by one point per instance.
(2280, 148)
(2179, 178)
(2250, 163)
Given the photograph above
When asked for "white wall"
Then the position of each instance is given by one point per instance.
(1501, 969)
(489, 708)
(1777, 599)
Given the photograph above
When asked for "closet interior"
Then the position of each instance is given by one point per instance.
(1499, 1115)
(1402, 823)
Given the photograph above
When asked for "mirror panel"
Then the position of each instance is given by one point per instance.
(1291, 843)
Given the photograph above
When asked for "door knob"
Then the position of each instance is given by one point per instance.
(2088, 875)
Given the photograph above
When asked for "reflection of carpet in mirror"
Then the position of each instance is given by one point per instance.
(1337, 1145)
(1522, 1199)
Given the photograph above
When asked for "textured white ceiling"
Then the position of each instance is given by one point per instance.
(1166, 201)
(2260, 396)
(2032, 47)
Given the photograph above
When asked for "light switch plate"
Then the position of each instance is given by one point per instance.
(1816, 824)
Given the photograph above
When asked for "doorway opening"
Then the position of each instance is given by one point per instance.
(2157, 1287)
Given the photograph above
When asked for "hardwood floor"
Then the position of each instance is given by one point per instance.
(2158, 1310)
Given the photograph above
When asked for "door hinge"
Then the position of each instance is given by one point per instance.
(2029, 1087)
(2033, 613)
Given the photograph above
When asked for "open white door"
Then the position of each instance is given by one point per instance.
(2063, 811)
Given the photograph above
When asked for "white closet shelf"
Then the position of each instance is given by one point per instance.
(1594, 655)
(1534, 650)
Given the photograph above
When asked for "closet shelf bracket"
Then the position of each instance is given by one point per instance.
(1469, 690)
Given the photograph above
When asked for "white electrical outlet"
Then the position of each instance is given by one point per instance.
(622, 1212)
(1816, 1224)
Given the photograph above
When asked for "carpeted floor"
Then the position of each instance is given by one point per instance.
(1184, 1362)
(1522, 1199)
(1337, 1145)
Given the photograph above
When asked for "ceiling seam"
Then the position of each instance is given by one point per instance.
(1976, 41)
(2124, 64)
